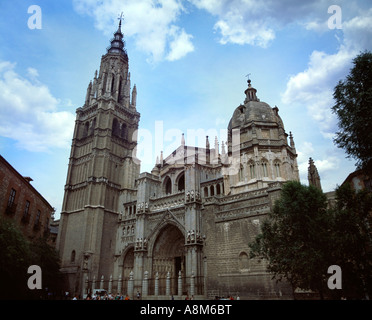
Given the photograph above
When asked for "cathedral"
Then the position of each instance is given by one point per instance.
(183, 229)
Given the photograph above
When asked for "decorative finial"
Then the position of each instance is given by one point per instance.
(121, 18)
(249, 80)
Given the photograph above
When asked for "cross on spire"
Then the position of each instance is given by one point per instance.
(121, 17)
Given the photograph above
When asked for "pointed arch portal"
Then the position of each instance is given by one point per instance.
(169, 256)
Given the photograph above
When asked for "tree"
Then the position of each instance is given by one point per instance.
(294, 238)
(16, 255)
(353, 98)
(15, 258)
(47, 258)
(302, 237)
(351, 239)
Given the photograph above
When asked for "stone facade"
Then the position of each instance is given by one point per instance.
(22, 203)
(185, 227)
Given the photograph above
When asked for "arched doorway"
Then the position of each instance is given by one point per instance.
(169, 256)
(128, 263)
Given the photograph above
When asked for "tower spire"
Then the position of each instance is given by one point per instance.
(117, 43)
(313, 175)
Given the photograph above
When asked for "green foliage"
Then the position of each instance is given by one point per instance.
(15, 258)
(351, 237)
(353, 99)
(293, 238)
(301, 238)
(47, 258)
(16, 255)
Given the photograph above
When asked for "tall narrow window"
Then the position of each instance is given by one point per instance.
(205, 192)
(115, 127)
(168, 186)
(11, 198)
(264, 169)
(181, 183)
(112, 83)
(27, 209)
(212, 190)
(119, 93)
(277, 169)
(72, 258)
(123, 132)
(252, 170)
(86, 129)
(218, 187)
(92, 126)
(37, 220)
(104, 83)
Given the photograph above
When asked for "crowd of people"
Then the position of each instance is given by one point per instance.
(104, 295)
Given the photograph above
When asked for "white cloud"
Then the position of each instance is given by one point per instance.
(233, 29)
(240, 21)
(314, 87)
(358, 31)
(180, 45)
(28, 112)
(253, 22)
(330, 163)
(152, 24)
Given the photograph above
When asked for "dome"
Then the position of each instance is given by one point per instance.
(255, 111)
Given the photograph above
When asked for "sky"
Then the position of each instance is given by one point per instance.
(189, 60)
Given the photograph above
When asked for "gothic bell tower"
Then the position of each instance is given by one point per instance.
(101, 171)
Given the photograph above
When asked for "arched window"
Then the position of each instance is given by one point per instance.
(115, 127)
(277, 169)
(72, 258)
(86, 129)
(211, 190)
(205, 192)
(264, 168)
(93, 125)
(112, 83)
(123, 131)
(119, 93)
(252, 170)
(181, 182)
(104, 83)
(167, 186)
(218, 187)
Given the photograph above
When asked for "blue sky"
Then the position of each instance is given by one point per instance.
(188, 59)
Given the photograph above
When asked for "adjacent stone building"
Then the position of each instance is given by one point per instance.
(185, 227)
(22, 203)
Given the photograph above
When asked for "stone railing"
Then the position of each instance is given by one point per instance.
(168, 201)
